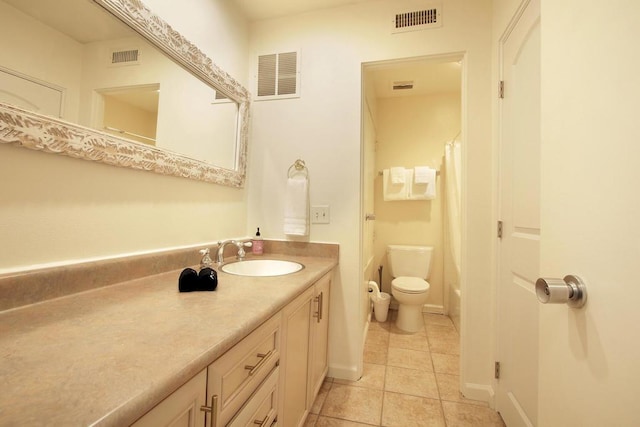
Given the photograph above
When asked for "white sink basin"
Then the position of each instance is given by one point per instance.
(262, 267)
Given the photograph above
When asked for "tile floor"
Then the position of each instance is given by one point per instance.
(408, 380)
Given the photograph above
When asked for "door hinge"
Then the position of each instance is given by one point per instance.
(496, 370)
(499, 229)
(501, 89)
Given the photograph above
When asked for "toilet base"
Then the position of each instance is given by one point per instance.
(410, 318)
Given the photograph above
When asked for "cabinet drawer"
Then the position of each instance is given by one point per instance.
(237, 374)
(261, 409)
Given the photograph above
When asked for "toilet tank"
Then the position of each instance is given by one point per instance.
(410, 260)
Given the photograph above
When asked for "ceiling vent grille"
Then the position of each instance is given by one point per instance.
(417, 20)
(406, 85)
(125, 57)
(278, 76)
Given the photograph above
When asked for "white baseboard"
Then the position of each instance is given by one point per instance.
(481, 392)
(427, 308)
(349, 373)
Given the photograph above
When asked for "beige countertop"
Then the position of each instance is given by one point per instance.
(108, 355)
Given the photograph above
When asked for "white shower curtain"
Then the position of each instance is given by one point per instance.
(453, 180)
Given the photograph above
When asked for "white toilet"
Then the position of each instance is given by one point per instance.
(410, 266)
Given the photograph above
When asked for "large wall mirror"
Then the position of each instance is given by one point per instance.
(110, 81)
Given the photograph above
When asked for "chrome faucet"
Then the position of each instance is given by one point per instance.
(220, 250)
(240, 244)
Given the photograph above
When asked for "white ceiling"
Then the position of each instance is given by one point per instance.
(79, 19)
(256, 10)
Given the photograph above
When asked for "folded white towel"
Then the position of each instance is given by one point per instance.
(398, 175)
(421, 174)
(424, 191)
(391, 191)
(296, 206)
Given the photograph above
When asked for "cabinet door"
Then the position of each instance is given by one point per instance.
(319, 338)
(180, 409)
(295, 359)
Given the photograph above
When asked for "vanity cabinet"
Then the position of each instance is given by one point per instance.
(232, 390)
(271, 377)
(304, 358)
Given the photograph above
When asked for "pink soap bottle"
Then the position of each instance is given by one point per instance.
(258, 244)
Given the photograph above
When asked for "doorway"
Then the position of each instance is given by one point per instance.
(412, 116)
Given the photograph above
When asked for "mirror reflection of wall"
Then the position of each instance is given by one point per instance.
(132, 112)
(80, 48)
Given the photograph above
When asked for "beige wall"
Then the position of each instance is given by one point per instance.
(412, 131)
(124, 116)
(57, 210)
(324, 127)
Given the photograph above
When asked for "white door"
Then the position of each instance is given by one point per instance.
(517, 387)
(589, 358)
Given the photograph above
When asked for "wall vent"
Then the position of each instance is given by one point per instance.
(278, 76)
(404, 85)
(417, 20)
(125, 57)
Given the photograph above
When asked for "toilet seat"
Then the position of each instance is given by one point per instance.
(410, 285)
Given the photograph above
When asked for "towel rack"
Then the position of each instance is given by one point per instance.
(298, 167)
(380, 173)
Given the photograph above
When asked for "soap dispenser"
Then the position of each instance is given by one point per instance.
(258, 244)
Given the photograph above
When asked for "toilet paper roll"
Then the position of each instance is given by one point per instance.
(373, 288)
(553, 291)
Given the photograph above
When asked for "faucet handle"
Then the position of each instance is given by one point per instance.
(206, 259)
(240, 245)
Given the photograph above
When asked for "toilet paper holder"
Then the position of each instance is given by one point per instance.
(570, 290)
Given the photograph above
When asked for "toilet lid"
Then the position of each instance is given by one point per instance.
(410, 285)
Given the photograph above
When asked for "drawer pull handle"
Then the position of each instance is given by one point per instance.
(263, 358)
(212, 410)
(263, 422)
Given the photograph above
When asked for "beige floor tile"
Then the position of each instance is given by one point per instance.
(443, 340)
(375, 354)
(379, 326)
(395, 330)
(437, 331)
(462, 415)
(411, 381)
(359, 404)
(372, 377)
(407, 358)
(412, 342)
(449, 388)
(446, 363)
(437, 320)
(311, 420)
(322, 396)
(327, 382)
(406, 411)
(335, 422)
(377, 338)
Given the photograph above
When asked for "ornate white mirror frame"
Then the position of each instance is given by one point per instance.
(38, 132)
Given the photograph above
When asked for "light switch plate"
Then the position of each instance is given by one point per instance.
(319, 214)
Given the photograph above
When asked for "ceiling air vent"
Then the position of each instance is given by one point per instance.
(402, 85)
(278, 76)
(417, 20)
(125, 57)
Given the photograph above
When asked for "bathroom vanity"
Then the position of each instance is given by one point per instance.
(141, 353)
